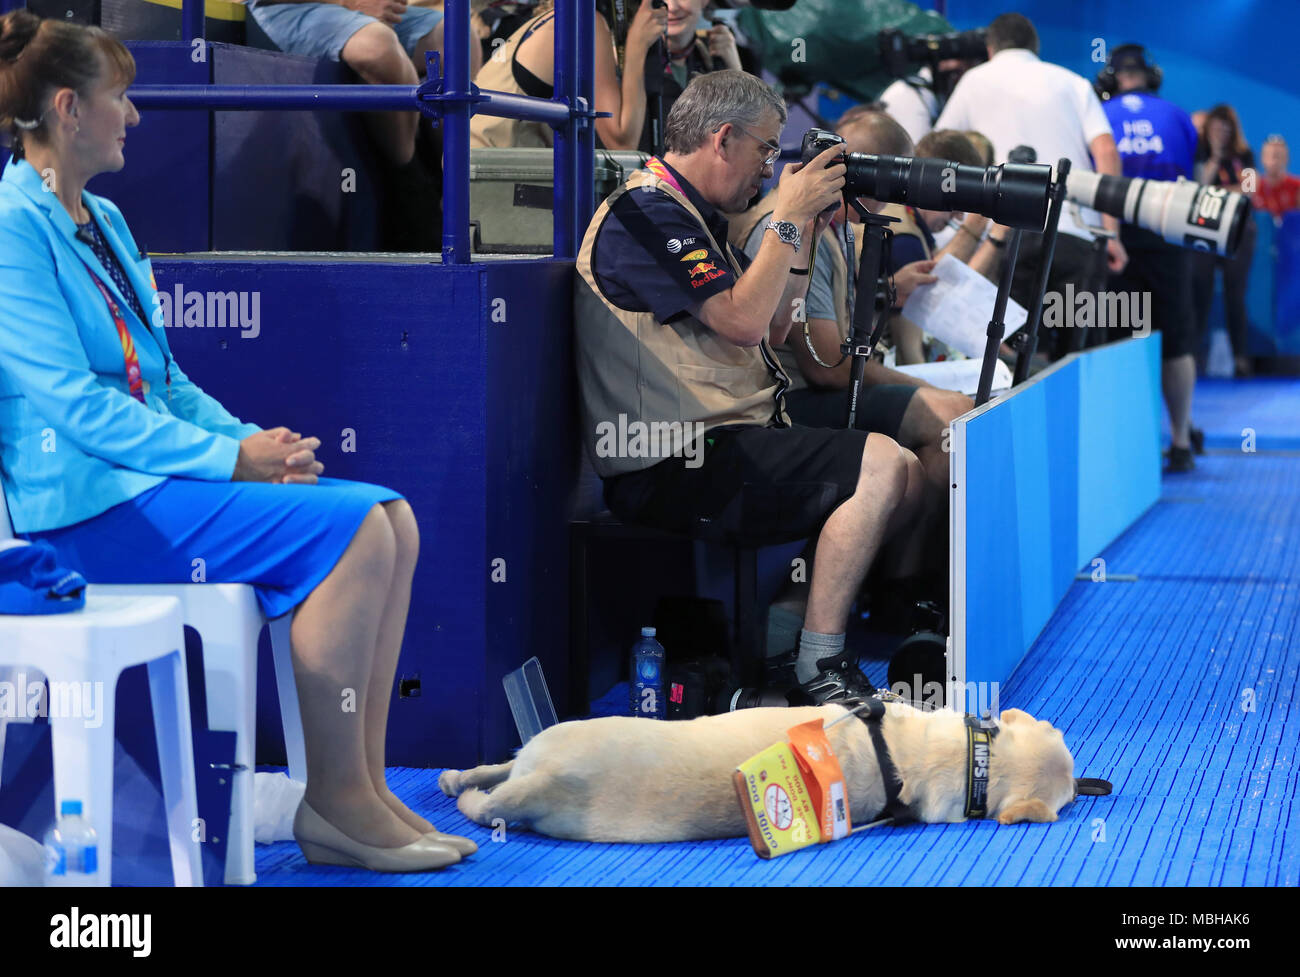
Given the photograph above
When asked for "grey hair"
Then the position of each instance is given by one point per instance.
(715, 98)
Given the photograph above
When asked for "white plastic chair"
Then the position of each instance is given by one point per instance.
(228, 620)
(81, 654)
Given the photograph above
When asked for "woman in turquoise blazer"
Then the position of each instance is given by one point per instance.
(112, 455)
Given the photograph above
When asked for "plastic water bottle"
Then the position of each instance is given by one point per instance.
(71, 849)
(647, 677)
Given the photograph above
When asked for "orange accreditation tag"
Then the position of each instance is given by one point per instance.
(821, 772)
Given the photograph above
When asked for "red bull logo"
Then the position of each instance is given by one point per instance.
(702, 272)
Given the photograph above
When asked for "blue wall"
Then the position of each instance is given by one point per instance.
(473, 420)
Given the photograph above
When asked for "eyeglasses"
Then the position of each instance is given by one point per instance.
(776, 150)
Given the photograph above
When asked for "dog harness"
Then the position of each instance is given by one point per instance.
(871, 711)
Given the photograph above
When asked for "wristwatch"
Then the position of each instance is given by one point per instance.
(787, 231)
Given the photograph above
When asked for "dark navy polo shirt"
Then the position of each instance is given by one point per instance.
(907, 248)
(649, 255)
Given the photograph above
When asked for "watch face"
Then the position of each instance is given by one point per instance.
(786, 231)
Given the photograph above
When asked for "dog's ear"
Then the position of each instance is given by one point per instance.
(1030, 810)
(1014, 716)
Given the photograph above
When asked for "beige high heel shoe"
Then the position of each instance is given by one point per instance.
(324, 844)
(463, 845)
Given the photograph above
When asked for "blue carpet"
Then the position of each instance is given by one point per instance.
(1228, 410)
(1178, 687)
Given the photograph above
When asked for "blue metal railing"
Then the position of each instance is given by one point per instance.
(449, 95)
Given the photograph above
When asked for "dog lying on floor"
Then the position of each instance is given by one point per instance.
(637, 780)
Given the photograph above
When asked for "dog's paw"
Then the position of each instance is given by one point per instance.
(449, 782)
(473, 804)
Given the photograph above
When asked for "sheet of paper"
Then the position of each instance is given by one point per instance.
(960, 375)
(956, 309)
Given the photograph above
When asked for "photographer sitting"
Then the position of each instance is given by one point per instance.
(977, 241)
(672, 335)
(910, 411)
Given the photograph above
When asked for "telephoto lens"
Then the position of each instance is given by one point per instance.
(1184, 213)
(1013, 194)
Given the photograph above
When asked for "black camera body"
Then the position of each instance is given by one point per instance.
(1013, 194)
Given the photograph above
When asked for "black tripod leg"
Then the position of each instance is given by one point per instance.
(997, 324)
(1030, 345)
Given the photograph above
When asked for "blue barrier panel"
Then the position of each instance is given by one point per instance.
(1043, 479)
(1120, 410)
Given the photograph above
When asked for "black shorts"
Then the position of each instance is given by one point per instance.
(1164, 271)
(756, 486)
(880, 407)
(1072, 264)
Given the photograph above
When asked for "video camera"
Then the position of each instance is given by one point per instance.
(901, 54)
(1013, 194)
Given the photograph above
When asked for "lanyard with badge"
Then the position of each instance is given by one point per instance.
(129, 356)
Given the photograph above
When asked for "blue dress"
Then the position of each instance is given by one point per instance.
(282, 539)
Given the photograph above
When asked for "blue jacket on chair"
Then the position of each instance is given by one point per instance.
(73, 441)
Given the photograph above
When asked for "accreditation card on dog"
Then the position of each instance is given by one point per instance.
(778, 809)
(792, 794)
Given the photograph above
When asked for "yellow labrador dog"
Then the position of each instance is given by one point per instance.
(637, 780)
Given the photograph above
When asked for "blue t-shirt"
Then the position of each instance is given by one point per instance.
(650, 256)
(1155, 138)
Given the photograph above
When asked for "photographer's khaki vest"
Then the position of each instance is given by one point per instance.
(633, 368)
(496, 76)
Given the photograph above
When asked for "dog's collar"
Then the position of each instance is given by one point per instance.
(980, 733)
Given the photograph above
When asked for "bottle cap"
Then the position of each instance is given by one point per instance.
(70, 807)
(647, 632)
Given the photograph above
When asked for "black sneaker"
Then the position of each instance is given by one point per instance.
(778, 670)
(1179, 460)
(838, 679)
(1197, 436)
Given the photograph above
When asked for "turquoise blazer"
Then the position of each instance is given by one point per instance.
(73, 441)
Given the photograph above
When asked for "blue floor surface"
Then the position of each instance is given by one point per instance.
(1178, 687)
